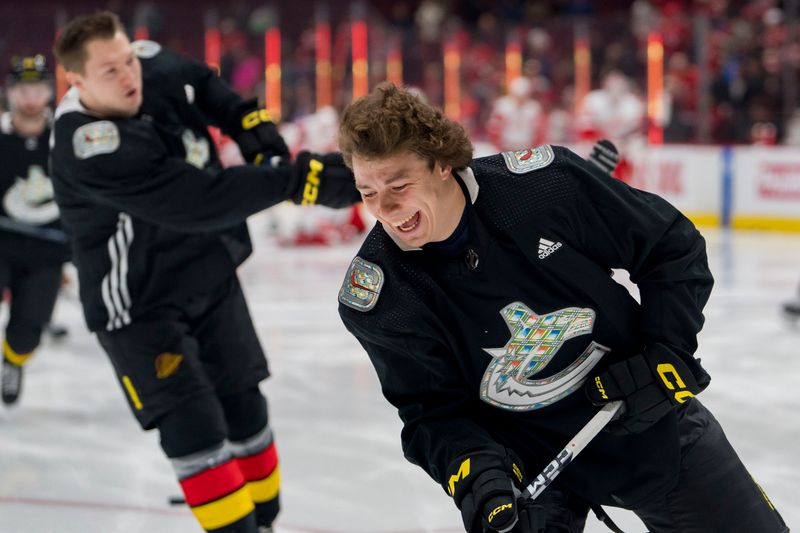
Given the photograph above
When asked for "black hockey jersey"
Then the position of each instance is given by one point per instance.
(491, 347)
(150, 215)
(29, 220)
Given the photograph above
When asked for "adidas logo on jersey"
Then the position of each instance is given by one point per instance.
(547, 247)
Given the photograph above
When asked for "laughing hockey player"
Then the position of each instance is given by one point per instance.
(157, 230)
(484, 299)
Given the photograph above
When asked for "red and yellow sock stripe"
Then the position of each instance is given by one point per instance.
(13, 357)
(262, 474)
(218, 496)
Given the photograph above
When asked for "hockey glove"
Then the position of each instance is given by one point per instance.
(605, 155)
(650, 384)
(322, 180)
(482, 486)
(255, 133)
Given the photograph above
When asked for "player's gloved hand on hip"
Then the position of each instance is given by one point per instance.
(651, 385)
(255, 133)
(322, 180)
(482, 485)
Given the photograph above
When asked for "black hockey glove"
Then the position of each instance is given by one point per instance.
(482, 485)
(255, 133)
(322, 180)
(605, 155)
(650, 384)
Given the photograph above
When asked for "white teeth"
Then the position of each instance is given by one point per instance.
(406, 220)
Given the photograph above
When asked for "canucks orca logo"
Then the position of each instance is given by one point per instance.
(534, 341)
(30, 199)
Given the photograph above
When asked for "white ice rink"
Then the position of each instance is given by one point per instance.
(72, 458)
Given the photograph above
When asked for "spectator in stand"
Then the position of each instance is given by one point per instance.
(613, 112)
(517, 119)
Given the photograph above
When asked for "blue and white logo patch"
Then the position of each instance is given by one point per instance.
(529, 159)
(362, 285)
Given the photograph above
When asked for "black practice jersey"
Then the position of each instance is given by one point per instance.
(491, 347)
(150, 214)
(29, 226)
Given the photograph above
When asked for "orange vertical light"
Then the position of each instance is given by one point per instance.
(655, 88)
(513, 58)
(452, 78)
(141, 33)
(61, 82)
(360, 59)
(272, 72)
(323, 68)
(583, 69)
(213, 45)
(61, 79)
(394, 61)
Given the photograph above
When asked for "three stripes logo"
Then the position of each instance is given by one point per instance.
(546, 247)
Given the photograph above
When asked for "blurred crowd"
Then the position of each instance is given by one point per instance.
(731, 68)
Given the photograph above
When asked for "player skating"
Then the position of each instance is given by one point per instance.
(32, 246)
(157, 230)
(485, 302)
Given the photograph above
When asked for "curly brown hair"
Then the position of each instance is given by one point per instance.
(391, 120)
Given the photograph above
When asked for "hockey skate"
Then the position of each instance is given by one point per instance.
(791, 310)
(11, 382)
(56, 330)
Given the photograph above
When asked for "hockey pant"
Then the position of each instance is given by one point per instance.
(34, 289)
(714, 491)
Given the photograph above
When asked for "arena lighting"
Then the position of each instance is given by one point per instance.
(394, 60)
(61, 82)
(322, 39)
(61, 79)
(655, 88)
(452, 78)
(583, 67)
(213, 48)
(272, 72)
(513, 58)
(360, 58)
(141, 33)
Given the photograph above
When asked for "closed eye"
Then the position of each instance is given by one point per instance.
(400, 188)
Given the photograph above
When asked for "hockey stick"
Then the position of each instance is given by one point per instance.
(571, 450)
(47, 234)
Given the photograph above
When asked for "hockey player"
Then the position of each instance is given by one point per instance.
(485, 302)
(157, 230)
(32, 246)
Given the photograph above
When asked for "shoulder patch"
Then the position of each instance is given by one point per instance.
(362, 285)
(145, 49)
(95, 138)
(524, 161)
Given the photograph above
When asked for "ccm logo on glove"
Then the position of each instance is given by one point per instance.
(311, 188)
(664, 371)
(254, 118)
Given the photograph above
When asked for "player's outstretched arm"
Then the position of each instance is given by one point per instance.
(316, 179)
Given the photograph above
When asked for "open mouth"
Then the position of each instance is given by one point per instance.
(408, 224)
(131, 93)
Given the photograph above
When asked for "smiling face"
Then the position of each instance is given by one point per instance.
(416, 204)
(111, 81)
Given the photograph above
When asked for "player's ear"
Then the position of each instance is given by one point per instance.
(74, 79)
(444, 171)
